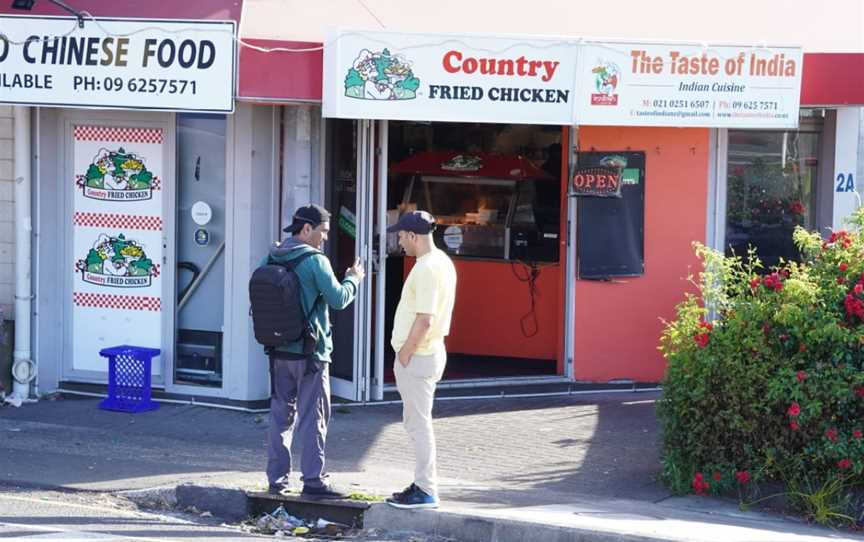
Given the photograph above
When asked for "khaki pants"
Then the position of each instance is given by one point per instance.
(416, 384)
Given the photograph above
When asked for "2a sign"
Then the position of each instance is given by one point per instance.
(602, 181)
(845, 182)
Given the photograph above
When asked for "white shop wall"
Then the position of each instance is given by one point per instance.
(251, 216)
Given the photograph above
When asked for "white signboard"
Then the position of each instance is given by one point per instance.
(165, 65)
(847, 192)
(449, 77)
(117, 241)
(639, 84)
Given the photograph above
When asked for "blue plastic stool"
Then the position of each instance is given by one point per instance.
(129, 378)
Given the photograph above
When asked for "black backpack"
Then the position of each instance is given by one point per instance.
(277, 313)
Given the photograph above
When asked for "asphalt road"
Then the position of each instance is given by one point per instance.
(48, 515)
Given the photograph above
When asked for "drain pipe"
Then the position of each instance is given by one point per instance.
(23, 368)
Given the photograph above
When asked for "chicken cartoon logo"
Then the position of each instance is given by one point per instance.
(606, 78)
(117, 175)
(381, 76)
(463, 162)
(116, 262)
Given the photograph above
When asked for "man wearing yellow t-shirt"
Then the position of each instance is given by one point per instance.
(422, 321)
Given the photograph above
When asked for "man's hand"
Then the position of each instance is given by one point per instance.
(356, 270)
(403, 357)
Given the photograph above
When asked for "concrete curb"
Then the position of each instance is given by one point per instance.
(613, 521)
(229, 504)
(468, 528)
(156, 498)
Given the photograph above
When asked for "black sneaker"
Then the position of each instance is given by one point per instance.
(417, 498)
(402, 494)
(279, 488)
(326, 491)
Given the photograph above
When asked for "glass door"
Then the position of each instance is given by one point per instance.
(200, 242)
(349, 197)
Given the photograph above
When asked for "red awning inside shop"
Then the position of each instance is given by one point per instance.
(474, 165)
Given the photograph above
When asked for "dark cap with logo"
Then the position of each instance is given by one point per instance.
(311, 214)
(419, 222)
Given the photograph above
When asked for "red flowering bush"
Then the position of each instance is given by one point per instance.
(765, 377)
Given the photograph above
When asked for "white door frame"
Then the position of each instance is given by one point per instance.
(569, 263)
(357, 389)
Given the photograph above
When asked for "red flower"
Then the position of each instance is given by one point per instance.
(743, 476)
(858, 289)
(854, 306)
(831, 434)
(859, 391)
(699, 484)
(703, 338)
(841, 280)
(841, 237)
(774, 281)
(717, 476)
(793, 425)
(843, 267)
(797, 208)
(801, 375)
(754, 284)
(794, 410)
(857, 434)
(844, 464)
(802, 348)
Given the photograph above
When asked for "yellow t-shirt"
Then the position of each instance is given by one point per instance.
(429, 289)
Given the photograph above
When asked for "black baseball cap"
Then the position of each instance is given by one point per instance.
(419, 222)
(310, 214)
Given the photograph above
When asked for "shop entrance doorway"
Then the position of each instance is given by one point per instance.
(496, 192)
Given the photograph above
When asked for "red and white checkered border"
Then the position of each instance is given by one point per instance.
(112, 301)
(123, 222)
(117, 134)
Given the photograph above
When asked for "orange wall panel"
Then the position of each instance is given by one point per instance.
(490, 303)
(618, 323)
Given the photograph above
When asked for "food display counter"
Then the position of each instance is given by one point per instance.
(499, 207)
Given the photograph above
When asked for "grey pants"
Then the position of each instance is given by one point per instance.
(299, 394)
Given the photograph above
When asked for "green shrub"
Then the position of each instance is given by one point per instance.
(764, 380)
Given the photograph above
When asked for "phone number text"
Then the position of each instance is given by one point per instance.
(135, 84)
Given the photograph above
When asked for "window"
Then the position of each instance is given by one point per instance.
(772, 181)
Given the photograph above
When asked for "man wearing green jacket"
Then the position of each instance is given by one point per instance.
(300, 391)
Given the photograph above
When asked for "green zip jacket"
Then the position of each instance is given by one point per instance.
(316, 278)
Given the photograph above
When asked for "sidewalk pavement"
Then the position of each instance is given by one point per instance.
(583, 466)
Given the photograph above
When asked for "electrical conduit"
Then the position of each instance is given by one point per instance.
(23, 368)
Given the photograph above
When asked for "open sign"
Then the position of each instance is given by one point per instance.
(597, 181)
